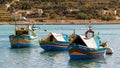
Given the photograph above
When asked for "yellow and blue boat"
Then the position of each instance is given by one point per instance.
(24, 36)
(55, 41)
(82, 47)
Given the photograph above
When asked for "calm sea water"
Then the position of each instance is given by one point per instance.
(36, 57)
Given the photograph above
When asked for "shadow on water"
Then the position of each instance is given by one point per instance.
(51, 53)
(27, 52)
(87, 63)
(55, 59)
(24, 49)
(20, 50)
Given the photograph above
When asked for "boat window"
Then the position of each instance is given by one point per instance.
(51, 38)
(78, 40)
(20, 32)
(22, 28)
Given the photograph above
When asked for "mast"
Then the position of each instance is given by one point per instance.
(15, 18)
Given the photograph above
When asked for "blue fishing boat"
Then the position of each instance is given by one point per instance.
(55, 41)
(24, 36)
(84, 47)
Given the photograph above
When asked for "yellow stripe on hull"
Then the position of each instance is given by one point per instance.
(22, 41)
(76, 53)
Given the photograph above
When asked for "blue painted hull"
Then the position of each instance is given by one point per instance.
(75, 56)
(51, 47)
(22, 41)
(21, 45)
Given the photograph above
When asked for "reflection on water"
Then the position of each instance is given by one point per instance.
(55, 59)
(87, 63)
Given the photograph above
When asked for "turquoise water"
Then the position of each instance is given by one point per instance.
(36, 57)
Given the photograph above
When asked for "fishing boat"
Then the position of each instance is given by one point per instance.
(55, 41)
(24, 36)
(88, 46)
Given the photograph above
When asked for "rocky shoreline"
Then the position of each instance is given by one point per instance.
(66, 22)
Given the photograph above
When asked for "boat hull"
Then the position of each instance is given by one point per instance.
(18, 45)
(82, 52)
(22, 41)
(53, 46)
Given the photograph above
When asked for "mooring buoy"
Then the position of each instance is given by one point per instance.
(109, 50)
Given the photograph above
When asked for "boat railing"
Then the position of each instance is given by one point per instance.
(20, 32)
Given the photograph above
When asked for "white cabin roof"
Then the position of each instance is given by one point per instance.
(89, 42)
(58, 36)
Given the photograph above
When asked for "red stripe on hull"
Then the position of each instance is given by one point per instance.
(85, 52)
(59, 45)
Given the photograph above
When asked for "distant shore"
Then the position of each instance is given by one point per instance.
(65, 22)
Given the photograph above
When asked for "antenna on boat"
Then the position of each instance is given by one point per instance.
(90, 27)
(73, 31)
(98, 35)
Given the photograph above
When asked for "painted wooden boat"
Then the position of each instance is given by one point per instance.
(82, 47)
(24, 36)
(55, 41)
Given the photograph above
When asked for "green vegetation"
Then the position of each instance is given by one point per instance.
(5, 1)
(4, 15)
(66, 9)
